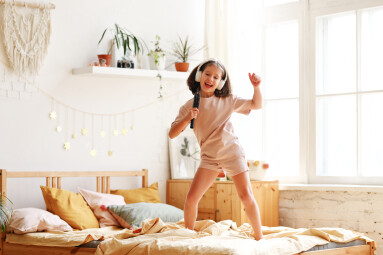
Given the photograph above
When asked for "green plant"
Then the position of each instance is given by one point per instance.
(183, 49)
(125, 39)
(157, 53)
(5, 214)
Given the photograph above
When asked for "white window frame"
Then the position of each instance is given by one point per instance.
(278, 14)
(306, 12)
(319, 8)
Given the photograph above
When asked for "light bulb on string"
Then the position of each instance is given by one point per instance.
(102, 132)
(66, 145)
(84, 130)
(74, 135)
(93, 151)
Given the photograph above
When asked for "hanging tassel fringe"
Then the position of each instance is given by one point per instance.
(26, 39)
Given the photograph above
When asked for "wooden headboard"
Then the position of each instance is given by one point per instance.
(53, 179)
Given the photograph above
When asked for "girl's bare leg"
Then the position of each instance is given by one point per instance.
(245, 193)
(203, 179)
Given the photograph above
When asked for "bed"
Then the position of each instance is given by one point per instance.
(159, 237)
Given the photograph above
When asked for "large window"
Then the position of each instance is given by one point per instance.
(281, 97)
(323, 91)
(349, 93)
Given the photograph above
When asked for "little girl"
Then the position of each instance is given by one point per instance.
(220, 148)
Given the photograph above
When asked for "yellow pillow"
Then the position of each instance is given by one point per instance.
(70, 207)
(148, 195)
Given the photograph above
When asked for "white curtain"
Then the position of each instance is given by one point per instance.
(234, 35)
(220, 33)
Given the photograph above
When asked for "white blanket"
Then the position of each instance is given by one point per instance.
(221, 238)
(209, 237)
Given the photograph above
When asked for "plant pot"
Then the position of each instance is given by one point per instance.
(157, 66)
(182, 66)
(106, 57)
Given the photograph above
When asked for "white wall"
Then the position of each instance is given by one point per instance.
(28, 141)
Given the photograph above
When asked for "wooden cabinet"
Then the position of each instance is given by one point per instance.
(221, 201)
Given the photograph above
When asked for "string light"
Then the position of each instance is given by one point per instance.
(132, 126)
(74, 135)
(67, 143)
(84, 130)
(115, 131)
(110, 152)
(102, 132)
(58, 127)
(93, 151)
(124, 131)
(54, 114)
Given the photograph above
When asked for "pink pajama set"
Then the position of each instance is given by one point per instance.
(220, 148)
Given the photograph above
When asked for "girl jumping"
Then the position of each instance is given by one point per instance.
(220, 148)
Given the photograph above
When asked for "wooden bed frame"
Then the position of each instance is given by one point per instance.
(53, 179)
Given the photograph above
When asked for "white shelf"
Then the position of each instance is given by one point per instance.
(97, 71)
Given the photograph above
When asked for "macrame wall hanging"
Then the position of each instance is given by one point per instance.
(26, 34)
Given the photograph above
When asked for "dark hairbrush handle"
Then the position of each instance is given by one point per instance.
(195, 105)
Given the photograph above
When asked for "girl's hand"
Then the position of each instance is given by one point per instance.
(193, 113)
(255, 79)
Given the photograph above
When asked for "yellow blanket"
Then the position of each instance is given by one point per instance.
(209, 237)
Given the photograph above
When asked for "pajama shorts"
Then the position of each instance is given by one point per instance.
(232, 166)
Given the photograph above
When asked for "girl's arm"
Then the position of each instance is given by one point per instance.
(256, 103)
(177, 128)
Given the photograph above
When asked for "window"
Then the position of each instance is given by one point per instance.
(323, 91)
(281, 98)
(349, 94)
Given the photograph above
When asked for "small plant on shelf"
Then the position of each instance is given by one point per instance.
(182, 51)
(124, 39)
(158, 56)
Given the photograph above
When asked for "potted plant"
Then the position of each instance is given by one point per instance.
(121, 38)
(183, 50)
(157, 56)
(5, 214)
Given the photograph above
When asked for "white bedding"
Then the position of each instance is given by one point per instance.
(209, 237)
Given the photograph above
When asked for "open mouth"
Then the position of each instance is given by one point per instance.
(208, 85)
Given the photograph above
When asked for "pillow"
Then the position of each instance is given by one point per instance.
(28, 220)
(96, 199)
(70, 207)
(148, 195)
(135, 214)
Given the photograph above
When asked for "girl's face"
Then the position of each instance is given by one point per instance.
(211, 76)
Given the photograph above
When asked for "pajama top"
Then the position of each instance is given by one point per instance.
(214, 131)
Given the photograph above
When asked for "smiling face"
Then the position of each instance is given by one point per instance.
(210, 78)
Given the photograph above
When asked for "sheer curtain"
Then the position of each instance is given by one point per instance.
(220, 33)
(234, 34)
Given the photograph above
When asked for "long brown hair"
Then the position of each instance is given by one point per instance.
(195, 86)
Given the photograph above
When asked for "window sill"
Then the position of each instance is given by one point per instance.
(329, 187)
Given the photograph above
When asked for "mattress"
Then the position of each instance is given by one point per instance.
(334, 245)
(331, 245)
(209, 237)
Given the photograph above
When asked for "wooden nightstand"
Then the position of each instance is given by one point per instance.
(221, 201)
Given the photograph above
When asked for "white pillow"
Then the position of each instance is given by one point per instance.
(28, 220)
(96, 199)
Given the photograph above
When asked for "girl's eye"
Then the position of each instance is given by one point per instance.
(216, 78)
